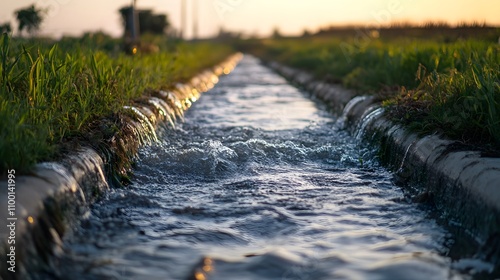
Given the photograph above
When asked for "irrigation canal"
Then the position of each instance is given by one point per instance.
(260, 182)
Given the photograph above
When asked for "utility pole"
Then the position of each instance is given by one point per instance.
(195, 19)
(183, 18)
(134, 24)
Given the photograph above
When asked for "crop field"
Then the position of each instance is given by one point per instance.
(51, 92)
(432, 85)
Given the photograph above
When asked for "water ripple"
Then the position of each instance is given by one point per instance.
(259, 183)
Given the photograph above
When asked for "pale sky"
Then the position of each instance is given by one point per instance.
(258, 17)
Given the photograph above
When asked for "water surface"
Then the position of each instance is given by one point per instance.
(259, 182)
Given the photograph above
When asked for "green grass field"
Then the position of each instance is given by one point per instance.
(51, 92)
(431, 85)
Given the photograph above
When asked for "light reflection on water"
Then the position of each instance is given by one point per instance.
(258, 183)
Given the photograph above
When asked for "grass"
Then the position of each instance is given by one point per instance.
(51, 93)
(433, 86)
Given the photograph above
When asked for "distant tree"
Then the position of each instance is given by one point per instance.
(148, 22)
(226, 35)
(277, 33)
(5, 28)
(30, 19)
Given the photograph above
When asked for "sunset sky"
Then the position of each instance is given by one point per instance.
(258, 17)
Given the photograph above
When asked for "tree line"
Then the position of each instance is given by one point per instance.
(29, 20)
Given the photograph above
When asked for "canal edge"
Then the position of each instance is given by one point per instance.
(462, 184)
(49, 201)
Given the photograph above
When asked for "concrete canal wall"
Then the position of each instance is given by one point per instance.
(464, 185)
(40, 208)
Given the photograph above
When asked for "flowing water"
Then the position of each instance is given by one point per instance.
(259, 182)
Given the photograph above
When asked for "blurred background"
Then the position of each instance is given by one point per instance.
(249, 18)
